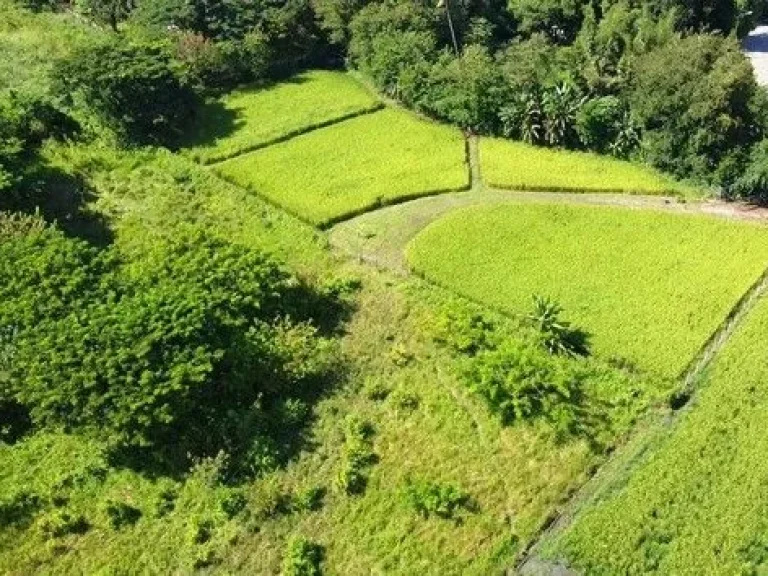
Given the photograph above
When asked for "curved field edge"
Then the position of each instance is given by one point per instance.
(508, 164)
(590, 259)
(352, 167)
(254, 117)
(697, 502)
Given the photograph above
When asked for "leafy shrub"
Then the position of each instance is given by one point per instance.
(309, 499)
(146, 102)
(599, 122)
(120, 514)
(357, 456)
(520, 383)
(404, 399)
(225, 64)
(462, 330)
(302, 558)
(233, 503)
(556, 335)
(467, 91)
(390, 41)
(436, 499)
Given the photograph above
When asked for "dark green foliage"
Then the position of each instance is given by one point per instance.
(466, 91)
(394, 44)
(109, 12)
(303, 558)
(17, 507)
(436, 499)
(172, 351)
(25, 123)
(146, 102)
(599, 123)
(357, 456)
(559, 19)
(752, 180)
(691, 99)
(224, 64)
(233, 503)
(556, 335)
(121, 514)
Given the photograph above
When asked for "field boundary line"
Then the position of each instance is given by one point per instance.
(616, 470)
(328, 223)
(378, 106)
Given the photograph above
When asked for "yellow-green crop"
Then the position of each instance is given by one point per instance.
(698, 504)
(650, 287)
(253, 117)
(515, 165)
(353, 166)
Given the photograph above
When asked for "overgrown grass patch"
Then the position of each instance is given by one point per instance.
(254, 116)
(329, 174)
(650, 287)
(698, 503)
(519, 166)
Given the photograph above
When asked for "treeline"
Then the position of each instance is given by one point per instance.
(660, 81)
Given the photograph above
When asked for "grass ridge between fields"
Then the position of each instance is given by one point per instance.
(218, 159)
(632, 454)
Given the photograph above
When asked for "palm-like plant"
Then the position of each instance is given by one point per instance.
(557, 335)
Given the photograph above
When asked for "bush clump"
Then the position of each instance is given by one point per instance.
(357, 456)
(184, 351)
(303, 558)
(436, 499)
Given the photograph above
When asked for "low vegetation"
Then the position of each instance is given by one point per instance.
(250, 117)
(646, 287)
(355, 166)
(696, 503)
(520, 166)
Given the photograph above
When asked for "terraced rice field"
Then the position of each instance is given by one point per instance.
(249, 118)
(698, 504)
(365, 162)
(649, 287)
(519, 166)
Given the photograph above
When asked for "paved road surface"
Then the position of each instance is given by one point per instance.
(756, 47)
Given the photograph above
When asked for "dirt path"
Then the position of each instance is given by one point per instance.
(380, 237)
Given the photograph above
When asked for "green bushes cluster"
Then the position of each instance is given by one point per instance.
(357, 456)
(435, 499)
(302, 558)
(188, 350)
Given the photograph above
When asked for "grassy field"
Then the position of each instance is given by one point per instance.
(698, 504)
(400, 380)
(515, 165)
(650, 287)
(354, 166)
(252, 117)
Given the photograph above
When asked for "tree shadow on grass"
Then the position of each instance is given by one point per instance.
(62, 199)
(213, 121)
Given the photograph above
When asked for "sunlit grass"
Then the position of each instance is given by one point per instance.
(254, 116)
(698, 503)
(354, 166)
(650, 287)
(515, 165)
